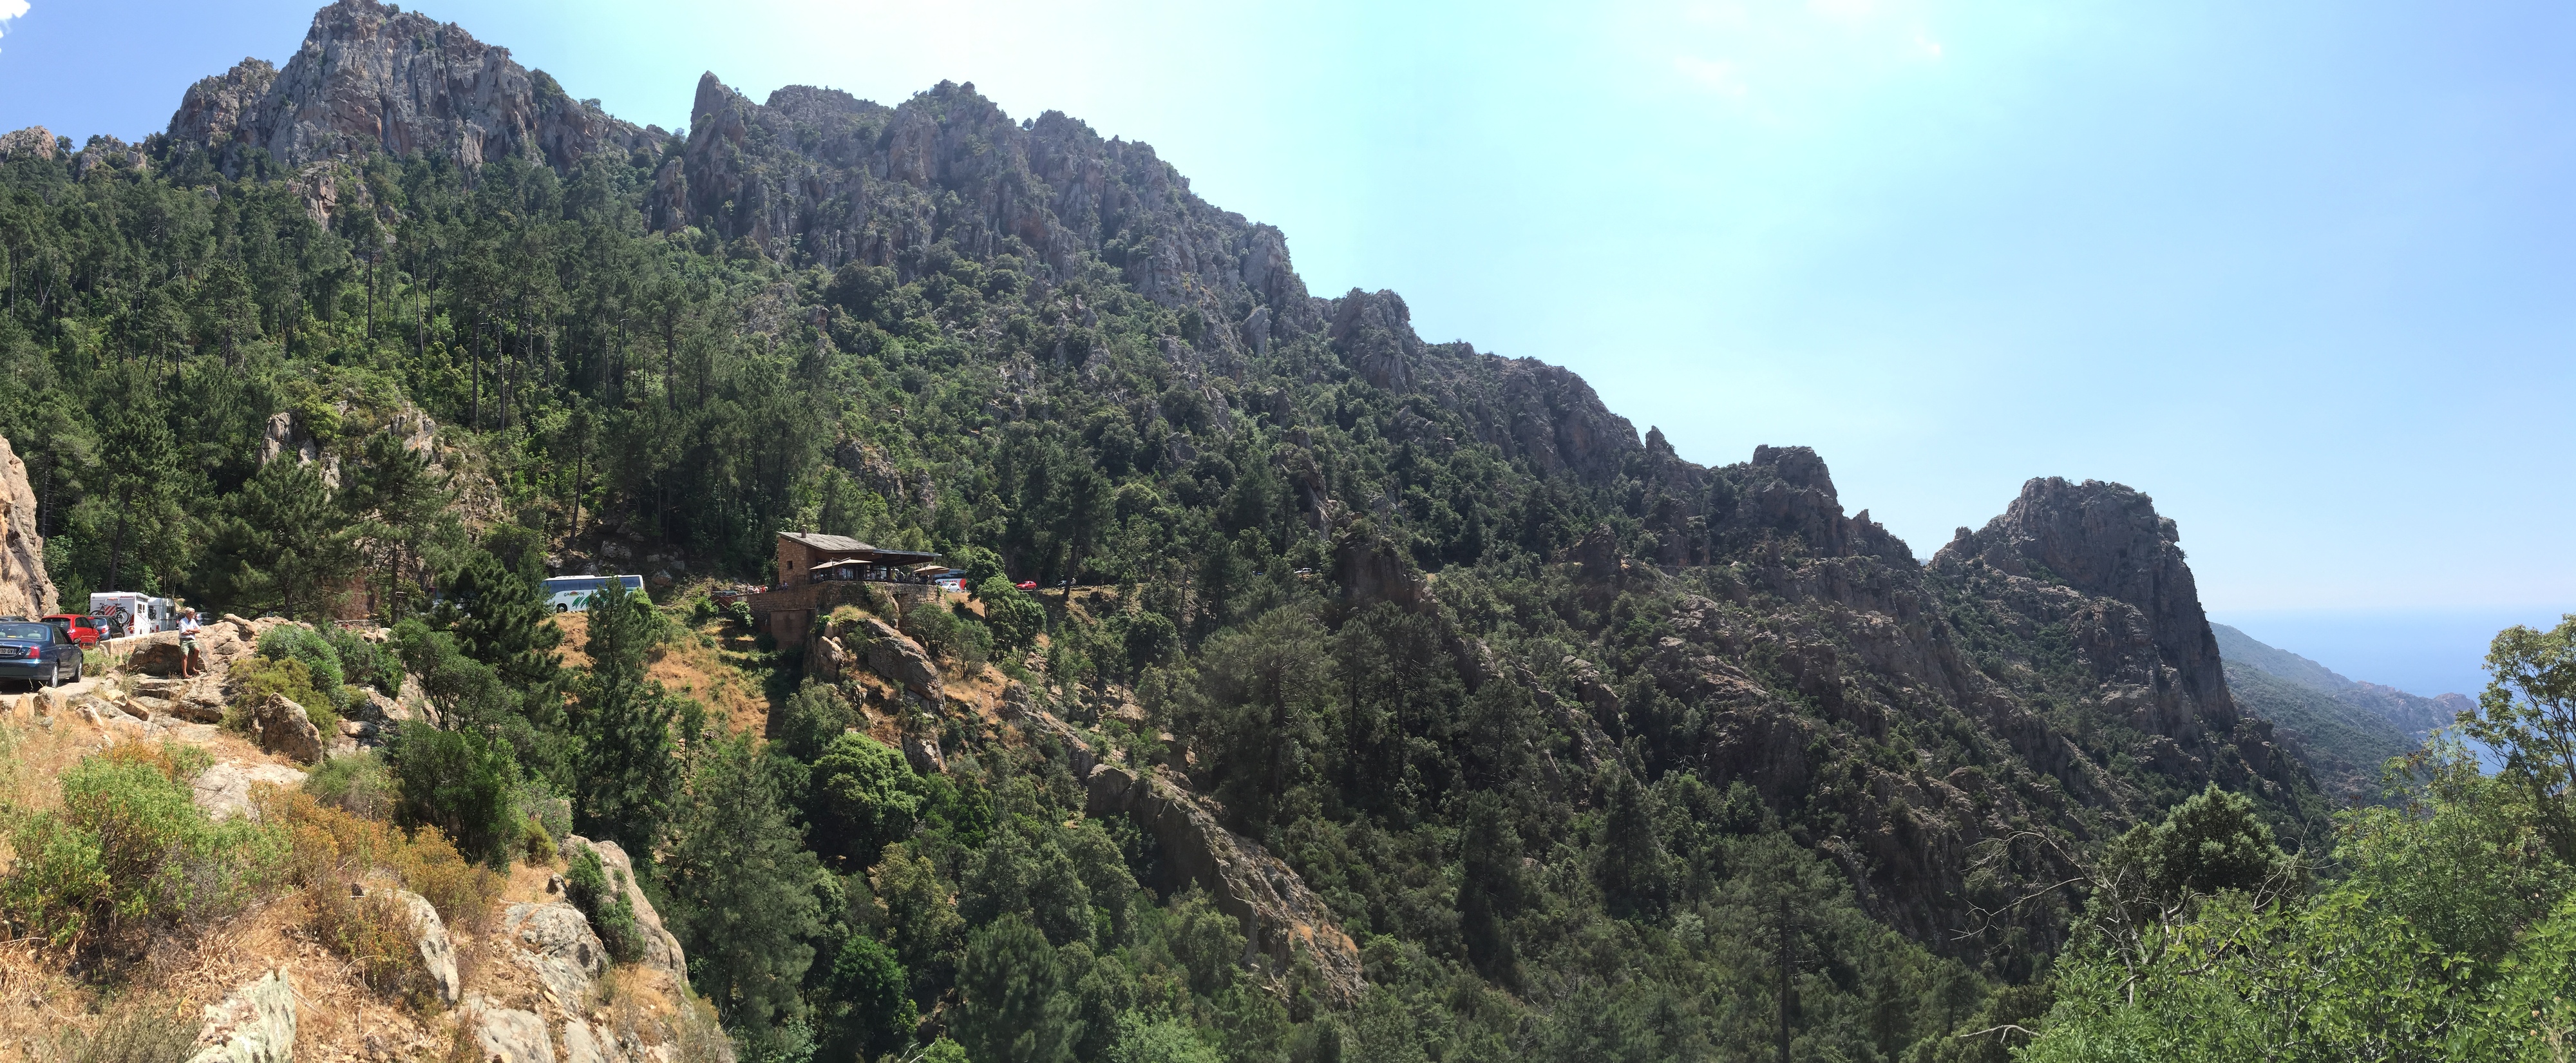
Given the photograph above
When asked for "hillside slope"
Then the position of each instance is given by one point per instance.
(1553, 727)
(2415, 715)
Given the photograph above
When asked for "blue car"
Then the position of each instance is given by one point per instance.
(39, 653)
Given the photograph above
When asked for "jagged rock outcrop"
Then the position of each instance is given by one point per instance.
(35, 142)
(1280, 916)
(559, 945)
(895, 656)
(254, 1024)
(826, 178)
(2106, 541)
(25, 590)
(373, 78)
(661, 948)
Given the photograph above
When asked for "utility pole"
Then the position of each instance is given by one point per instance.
(1788, 945)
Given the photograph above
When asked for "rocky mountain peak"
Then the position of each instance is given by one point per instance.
(35, 142)
(1799, 467)
(371, 76)
(2105, 540)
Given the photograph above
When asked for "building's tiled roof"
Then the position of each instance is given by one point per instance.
(838, 544)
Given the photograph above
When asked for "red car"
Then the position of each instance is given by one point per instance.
(1028, 584)
(83, 629)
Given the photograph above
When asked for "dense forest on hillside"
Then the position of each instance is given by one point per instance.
(1594, 753)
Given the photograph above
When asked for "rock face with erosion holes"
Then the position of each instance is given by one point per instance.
(24, 588)
(255, 1024)
(429, 934)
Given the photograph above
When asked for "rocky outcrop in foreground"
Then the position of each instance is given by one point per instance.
(256, 1024)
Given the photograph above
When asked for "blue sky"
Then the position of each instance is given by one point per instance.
(2300, 270)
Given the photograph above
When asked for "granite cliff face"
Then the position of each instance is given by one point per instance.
(2105, 541)
(372, 78)
(25, 590)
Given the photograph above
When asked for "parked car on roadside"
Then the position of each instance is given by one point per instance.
(39, 653)
(83, 629)
(1028, 584)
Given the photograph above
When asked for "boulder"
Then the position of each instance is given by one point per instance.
(507, 1035)
(198, 699)
(255, 1024)
(280, 725)
(1278, 913)
(830, 660)
(218, 646)
(437, 953)
(223, 790)
(895, 656)
(661, 947)
(557, 943)
(50, 700)
(382, 711)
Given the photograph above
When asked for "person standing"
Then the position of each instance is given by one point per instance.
(188, 663)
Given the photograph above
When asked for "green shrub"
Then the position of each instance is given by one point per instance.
(291, 642)
(1014, 615)
(949, 636)
(135, 1032)
(813, 717)
(464, 784)
(364, 663)
(258, 677)
(865, 797)
(354, 782)
(130, 851)
(374, 932)
(600, 893)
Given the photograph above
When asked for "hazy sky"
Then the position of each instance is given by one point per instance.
(2300, 270)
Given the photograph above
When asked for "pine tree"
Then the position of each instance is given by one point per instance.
(299, 548)
(401, 498)
(627, 770)
(742, 883)
(1016, 1008)
(499, 619)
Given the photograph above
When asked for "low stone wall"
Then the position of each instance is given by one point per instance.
(788, 613)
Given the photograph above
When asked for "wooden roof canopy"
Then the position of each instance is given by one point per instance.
(849, 551)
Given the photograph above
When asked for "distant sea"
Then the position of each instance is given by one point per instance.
(2427, 653)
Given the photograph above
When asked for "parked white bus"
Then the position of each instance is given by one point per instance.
(571, 594)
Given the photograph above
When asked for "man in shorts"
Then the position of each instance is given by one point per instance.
(188, 663)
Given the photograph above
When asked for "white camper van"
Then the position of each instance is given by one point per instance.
(138, 614)
(571, 594)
